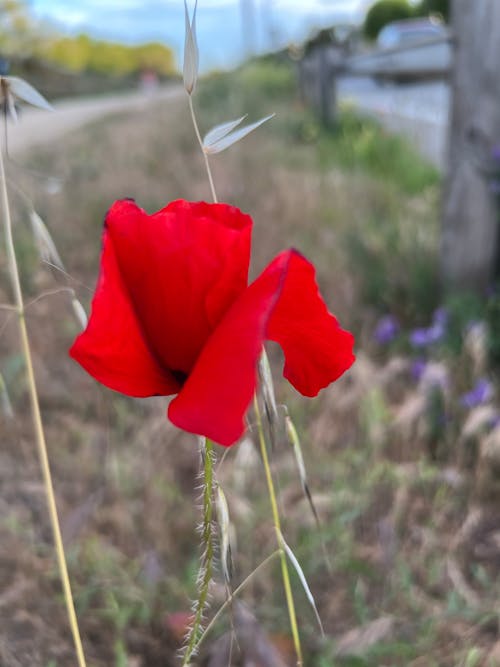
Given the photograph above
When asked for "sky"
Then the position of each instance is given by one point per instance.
(228, 30)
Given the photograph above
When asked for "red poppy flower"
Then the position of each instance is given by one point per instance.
(172, 314)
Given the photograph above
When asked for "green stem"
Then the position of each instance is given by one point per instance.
(205, 156)
(208, 553)
(37, 420)
(277, 527)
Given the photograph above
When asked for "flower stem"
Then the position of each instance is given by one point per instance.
(37, 419)
(277, 527)
(200, 141)
(205, 574)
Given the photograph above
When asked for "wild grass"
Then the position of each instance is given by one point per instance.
(398, 524)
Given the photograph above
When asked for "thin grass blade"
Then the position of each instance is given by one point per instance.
(238, 590)
(303, 580)
(5, 399)
(294, 440)
(46, 246)
(191, 55)
(25, 92)
(219, 131)
(234, 137)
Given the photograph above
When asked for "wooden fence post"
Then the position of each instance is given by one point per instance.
(470, 211)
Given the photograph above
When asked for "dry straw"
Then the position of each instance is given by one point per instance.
(12, 87)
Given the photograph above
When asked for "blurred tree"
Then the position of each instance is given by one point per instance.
(70, 52)
(469, 245)
(85, 54)
(156, 57)
(19, 35)
(441, 7)
(110, 58)
(382, 13)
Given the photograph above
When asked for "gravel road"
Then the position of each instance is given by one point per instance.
(37, 127)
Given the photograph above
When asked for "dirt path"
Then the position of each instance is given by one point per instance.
(38, 127)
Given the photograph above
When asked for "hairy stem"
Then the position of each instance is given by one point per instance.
(277, 527)
(37, 419)
(205, 574)
(200, 141)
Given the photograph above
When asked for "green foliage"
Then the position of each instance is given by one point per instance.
(493, 319)
(268, 78)
(257, 85)
(154, 56)
(466, 307)
(386, 11)
(360, 143)
(398, 257)
(427, 7)
(83, 54)
(382, 13)
(18, 33)
(399, 267)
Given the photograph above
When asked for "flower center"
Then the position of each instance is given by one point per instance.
(180, 376)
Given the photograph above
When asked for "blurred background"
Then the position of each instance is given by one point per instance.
(382, 165)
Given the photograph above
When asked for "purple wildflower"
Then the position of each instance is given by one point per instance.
(481, 393)
(495, 153)
(386, 330)
(418, 368)
(423, 337)
(419, 338)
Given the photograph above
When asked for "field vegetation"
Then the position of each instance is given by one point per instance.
(402, 453)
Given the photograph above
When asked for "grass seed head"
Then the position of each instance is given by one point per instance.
(224, 528)
(266, 380)
(300, 573)
(13, 88)
(45, 244)
(79, 312)
(191, 55)
(233, 137)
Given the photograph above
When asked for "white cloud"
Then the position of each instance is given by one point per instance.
(69, 16)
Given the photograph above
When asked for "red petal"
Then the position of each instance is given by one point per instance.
(283, 304)
(317, 351)
(183, 267)
(112, 348)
